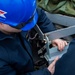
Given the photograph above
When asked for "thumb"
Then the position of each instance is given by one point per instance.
(53, 44)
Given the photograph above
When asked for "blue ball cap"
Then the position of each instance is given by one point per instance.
(19, 14)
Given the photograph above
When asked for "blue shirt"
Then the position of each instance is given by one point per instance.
(15, 51)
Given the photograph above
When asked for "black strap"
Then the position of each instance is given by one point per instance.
(21, 25)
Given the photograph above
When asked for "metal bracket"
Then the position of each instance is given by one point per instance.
(53, 52)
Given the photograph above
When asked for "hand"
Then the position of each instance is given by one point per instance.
(51, 67)
(59, 43)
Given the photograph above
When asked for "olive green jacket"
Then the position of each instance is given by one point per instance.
(66, 7)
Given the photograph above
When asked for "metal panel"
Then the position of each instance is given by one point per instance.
(61, 33)
(53, 52)
(61, 19)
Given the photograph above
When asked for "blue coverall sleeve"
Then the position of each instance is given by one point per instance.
(6, 67)
(7, 70)
(44, 23)
(39, 72)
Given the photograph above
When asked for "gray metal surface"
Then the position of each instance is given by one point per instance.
(39, 32)
(61, 33)
(54, 52)
(61, 19)
(64, 21)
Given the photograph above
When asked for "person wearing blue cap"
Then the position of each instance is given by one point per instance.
(17, 17)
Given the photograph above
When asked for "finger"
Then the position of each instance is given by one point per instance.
(65, 43)
(61, 45)
(54, 62)
(54, 45)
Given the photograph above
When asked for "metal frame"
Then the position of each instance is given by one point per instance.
(47, 37)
